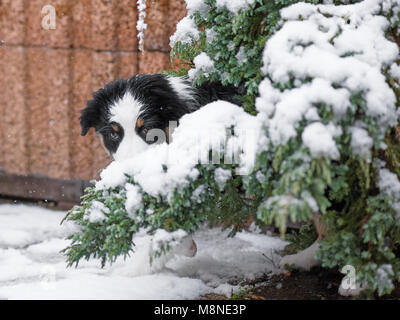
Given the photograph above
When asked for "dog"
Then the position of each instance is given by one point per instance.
(129, 115)
(127, 112)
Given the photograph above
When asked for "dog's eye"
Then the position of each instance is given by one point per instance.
(114, 136)
(114, 131)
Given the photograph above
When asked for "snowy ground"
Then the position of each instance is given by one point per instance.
(31, 266)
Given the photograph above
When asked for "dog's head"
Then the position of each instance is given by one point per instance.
(131, 114)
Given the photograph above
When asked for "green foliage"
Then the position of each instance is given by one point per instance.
(112, 237)
(244, 292)
(302, 239)
(100, 240)
(247, 31)
(366, 244)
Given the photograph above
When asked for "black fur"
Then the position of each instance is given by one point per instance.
(161, 104)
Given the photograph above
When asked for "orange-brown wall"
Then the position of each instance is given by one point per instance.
(46, 76)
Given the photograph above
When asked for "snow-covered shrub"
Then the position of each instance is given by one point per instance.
(175, 187)
(330, 109)
(321, 91)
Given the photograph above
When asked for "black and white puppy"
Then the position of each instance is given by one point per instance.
(126, 113)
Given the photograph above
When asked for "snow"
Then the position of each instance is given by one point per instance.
(343, 50)
(361, 142)
(32, 267)
(198, 6)
(202, 8)
(202, 64)
(196, 195)
(186, 32)
(241, 56)
(309, 199)
(389, 183)
(211, 34)
(162, 238)
(289, 107)
(19, 229)
(97, 212)
(394, 7)
(133, 199)
(282, 202)
(234, 5)
(222, 176)
(189, 147)
(395, 71)
(384, 276)
(319, 139)
(260, 177)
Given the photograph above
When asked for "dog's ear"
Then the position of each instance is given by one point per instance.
(85, 127)
(90, 117)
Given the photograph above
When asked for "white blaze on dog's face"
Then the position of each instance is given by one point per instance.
(125, 114)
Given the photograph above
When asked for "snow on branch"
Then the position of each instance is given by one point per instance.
(331, 54)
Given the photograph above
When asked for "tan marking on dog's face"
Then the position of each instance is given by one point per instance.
(139, 122)
(115, 128)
